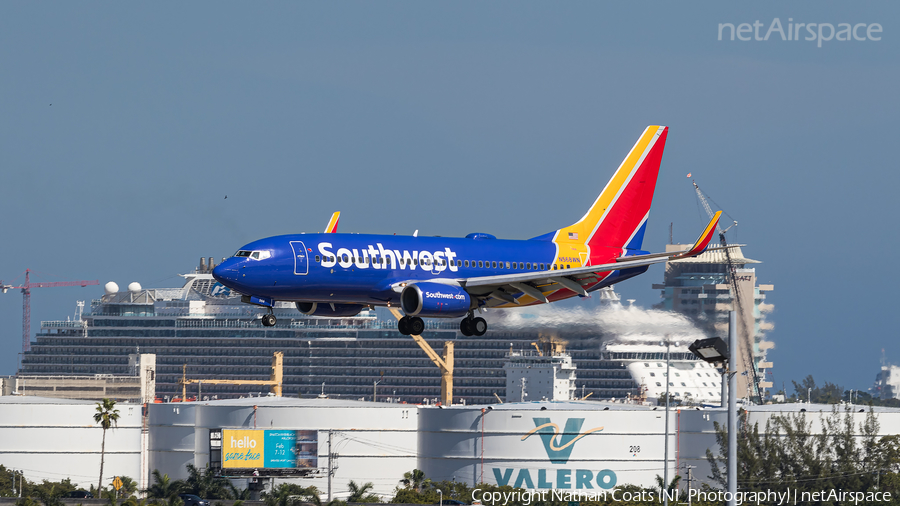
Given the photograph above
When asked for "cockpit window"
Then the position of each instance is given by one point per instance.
(260, 255)
(242, 253)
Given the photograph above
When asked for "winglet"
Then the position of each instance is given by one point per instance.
(704, 239)
(333, 223)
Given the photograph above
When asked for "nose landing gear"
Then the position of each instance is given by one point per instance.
(268, 320)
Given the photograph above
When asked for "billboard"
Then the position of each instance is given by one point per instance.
(269, 449)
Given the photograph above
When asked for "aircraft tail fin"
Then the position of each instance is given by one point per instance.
(333, 223)
(618, 218)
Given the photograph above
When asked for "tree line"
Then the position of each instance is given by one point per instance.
(789, 455)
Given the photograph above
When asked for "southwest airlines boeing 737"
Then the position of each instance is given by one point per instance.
(336, 275)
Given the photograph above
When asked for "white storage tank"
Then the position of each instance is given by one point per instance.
(577, 446)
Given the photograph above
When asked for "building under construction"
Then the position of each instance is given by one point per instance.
(703, 289)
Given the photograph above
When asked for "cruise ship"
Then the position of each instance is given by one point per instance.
(203, 331)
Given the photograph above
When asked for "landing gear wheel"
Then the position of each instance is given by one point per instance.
(478, 326)
(268, 320)
(416, 326)
(403, 325)
(465, 327)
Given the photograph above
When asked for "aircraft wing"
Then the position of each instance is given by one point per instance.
(537, 285)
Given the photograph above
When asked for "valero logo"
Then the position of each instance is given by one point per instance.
(558, 446)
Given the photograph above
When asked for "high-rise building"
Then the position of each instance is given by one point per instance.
(701, 288)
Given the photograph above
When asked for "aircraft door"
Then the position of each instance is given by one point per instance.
(301, 263)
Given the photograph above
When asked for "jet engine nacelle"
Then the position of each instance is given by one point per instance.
(434, 300)
(324, 309)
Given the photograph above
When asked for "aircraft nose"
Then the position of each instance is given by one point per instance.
(226, 272)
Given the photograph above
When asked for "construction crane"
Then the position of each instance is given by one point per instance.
(274, 381)
(735, 293)
(444, 363)
(26, 301)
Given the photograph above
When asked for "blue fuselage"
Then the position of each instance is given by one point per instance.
(362, 269)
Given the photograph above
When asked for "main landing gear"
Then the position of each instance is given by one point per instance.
(268, 320)
(411, 325)
(470, 326)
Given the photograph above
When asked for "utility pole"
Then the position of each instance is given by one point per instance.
(689, 480)
(330, 468)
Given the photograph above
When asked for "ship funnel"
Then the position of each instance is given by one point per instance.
(202, 264)
(212, 264)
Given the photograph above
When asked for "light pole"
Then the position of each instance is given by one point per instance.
(714, 350)
(665, 488)
(442, 496)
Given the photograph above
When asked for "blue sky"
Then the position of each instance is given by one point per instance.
(501, 117)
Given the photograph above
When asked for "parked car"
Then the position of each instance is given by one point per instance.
(81, 494)
(193, 500)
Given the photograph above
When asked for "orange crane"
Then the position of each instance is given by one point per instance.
(274, 381)
(26, 301)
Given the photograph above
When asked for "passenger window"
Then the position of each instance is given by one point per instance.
(507, 265)
(528, 265)
(480, 264)
(500, 264)
(568, 266)
(542, 266)
(493, 265)
(467, 263)
(317, 258)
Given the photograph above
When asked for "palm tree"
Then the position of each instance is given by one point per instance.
(413, 479)
(206, 484)
(163, 487)
(107, 416)
(129, 487)
(672, 485)
(239, 494)
(360, 493)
